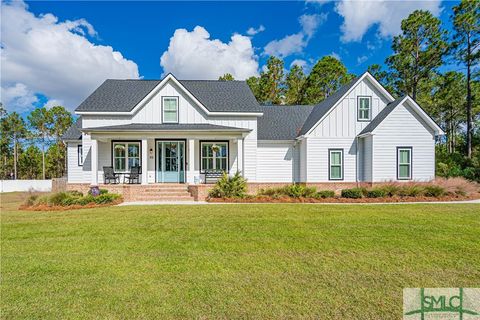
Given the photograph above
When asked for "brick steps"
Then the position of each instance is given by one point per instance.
(165, 192)
(162, 198)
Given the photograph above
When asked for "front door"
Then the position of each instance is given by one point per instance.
(171, 161)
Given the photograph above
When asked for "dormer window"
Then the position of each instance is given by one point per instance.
(170, 109)
(364, 108)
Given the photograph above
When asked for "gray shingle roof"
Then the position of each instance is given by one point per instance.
(74, 133)
(216, 96)
(282, 122)
(381, 116)
(166, 127)
(323, 107)
(223, 96)
(117, 95)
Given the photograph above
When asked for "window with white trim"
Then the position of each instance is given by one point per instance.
(125, 156)
(214, 156)
(404, 163)
(335, 161)
(80, 155)
(170, 109)
(364, 108)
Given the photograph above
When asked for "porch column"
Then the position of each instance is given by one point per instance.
(191, 161)
(240, 155)
(94, 160)
(144, 161)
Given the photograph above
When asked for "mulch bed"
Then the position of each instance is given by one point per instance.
(46, 207)
(263, 199)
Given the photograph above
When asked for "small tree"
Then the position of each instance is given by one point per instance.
(226, 77)
(40, 121)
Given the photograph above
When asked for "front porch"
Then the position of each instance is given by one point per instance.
(163, 157)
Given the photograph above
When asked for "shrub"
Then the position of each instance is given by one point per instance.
(85, 200)
(410, 191)
(323, 194)
(229, 187)
(75, 193)
(106, 198)
(57, 199)
(434, 191)
(31, 199)
(354, 193)
(299, 191)
(390, 190)
(375, 193)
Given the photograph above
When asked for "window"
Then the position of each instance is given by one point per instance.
(335, 160)
(404, 163)
(170, 109)
(80, 155)
(125, 156)
(214, 156)
(364, 106)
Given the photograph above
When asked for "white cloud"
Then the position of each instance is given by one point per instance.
(193, 55)
(311, 22)
(18, 95)
(295, 43)
(359, 16)
(45, 56)
(299, 62)
(361, 59)
(252, 31)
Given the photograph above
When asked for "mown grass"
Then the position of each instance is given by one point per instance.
(232, 261)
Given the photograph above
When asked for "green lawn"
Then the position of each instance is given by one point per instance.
(232, 261)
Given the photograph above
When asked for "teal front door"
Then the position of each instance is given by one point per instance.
(170, 161)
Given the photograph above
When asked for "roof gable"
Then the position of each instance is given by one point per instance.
(375, 123)
(321, 110)
(127, 96)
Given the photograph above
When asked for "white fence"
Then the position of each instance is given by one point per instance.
(25, 185)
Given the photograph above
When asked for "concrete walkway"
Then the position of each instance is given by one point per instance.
(143, 203)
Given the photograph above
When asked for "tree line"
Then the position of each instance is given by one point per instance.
(437, 68)
(32, 148)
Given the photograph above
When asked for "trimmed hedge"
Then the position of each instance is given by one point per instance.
(375, 193)
(325, 194)
(354, 193)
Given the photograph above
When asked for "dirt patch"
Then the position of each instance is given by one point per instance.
(264, 199)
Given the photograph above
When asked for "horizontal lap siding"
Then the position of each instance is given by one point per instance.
(403, 128)
(275, 162)
(75, 172)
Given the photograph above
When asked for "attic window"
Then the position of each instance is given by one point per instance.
(364, 108)
(170, 109)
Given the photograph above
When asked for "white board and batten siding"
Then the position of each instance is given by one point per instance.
(338, 130)
(277, 161)
(403, 128)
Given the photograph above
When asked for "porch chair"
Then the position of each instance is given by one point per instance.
(133, 176)
(109, 175)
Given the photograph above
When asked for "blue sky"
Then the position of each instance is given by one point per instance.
(59, 52)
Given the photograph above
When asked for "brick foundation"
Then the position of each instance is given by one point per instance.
(199, 192)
